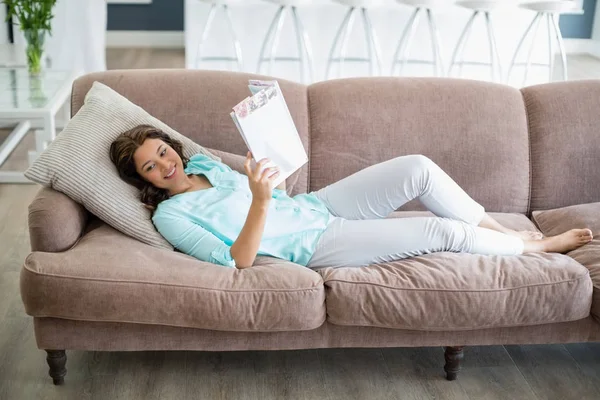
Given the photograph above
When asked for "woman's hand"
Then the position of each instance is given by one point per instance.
(260, 181)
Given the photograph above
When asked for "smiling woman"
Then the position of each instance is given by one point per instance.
(159, 153)
(159, 164)
(150, 160)
(244, 217)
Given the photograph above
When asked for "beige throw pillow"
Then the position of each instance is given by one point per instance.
(559, 220)
(78, 164)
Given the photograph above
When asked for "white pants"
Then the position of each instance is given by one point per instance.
(361, 235)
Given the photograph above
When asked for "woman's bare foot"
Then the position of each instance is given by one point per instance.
(562, 243)
(526, 235)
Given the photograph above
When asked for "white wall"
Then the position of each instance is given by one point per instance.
(78, 36)
(322, 20)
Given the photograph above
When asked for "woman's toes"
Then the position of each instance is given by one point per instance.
(585, 235)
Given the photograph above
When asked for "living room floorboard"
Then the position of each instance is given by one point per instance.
(543, 372)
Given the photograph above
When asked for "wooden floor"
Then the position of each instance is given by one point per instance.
(561, 372)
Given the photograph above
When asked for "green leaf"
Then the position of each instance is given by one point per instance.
(31, 14)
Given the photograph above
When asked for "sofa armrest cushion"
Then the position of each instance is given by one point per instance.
(56, 221)
(559, 220)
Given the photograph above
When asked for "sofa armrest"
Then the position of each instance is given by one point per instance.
(55, 221)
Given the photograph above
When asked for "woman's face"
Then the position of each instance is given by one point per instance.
(159, 164)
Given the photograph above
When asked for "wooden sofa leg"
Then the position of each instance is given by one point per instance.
(453, 356)
(57, 360)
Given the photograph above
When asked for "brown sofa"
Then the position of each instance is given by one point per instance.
(89, 287)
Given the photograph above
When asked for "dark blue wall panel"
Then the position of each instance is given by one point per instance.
(160, 15)
(579, 26)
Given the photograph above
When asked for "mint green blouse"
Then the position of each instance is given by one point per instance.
(205, 223)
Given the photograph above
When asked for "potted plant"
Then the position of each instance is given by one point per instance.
(34, 18)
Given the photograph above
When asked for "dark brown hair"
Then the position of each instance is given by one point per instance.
(121, 154)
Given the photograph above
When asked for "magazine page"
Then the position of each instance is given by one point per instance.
(269, 131)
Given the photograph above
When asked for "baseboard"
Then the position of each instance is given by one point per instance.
(589, 46)
(154, 39)
(594, 48)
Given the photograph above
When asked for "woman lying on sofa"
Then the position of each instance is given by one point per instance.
(207, 210)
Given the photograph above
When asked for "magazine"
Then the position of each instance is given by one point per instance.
(265, 123)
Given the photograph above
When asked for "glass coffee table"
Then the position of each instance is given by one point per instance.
(32, 103)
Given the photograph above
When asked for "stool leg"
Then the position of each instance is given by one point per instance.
(402, 42)
(276, 38)
(411, 34)
(538, 17)
(263, 48)
(345, 37)
(299, 44)
(561, 44)
(374, 42)
(460, 45)
(494, 56)
(307, 48)
(550, 48)
(209, 20)
(304, 48)
(236, 43)
(368, 43)
(461, 54)
(336, 42)
(435, 42)
(519, 46)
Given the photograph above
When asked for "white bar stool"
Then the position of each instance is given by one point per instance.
(401, 55)
(343, 33)
(550, 11)
(484, 8)
(217, 5)
(274, 34)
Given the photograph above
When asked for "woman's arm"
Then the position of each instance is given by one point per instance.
(191, 238)
(194, 240)
(245, 248)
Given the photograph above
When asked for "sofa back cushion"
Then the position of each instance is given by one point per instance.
(197, 104)
(475, 131)
(564, 124)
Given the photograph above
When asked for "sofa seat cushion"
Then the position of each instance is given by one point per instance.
(557, 221)
(452, 291)
(108, 276)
